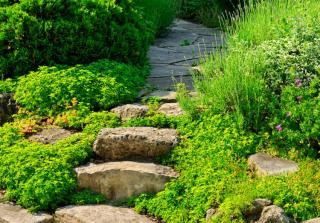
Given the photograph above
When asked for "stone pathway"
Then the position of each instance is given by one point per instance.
(172, 57)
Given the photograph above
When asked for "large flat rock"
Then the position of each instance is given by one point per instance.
(98, 214)
(15, 214)
(266, 165)
(121, 180)
(147, 142)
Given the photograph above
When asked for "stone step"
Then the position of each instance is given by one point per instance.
(15, 214)
(147, 142)
(121, 180)
(266, 165)
(171, 109)
(98, 214)
(129, 111)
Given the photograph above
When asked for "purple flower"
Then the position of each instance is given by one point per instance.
(299, 98)
(298, 82)
(279, 128)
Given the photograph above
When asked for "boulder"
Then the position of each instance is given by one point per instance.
(8, 107)
(50, 135)
(266, 165)
(171, 109)
(98, 214)
(165, 96)
(120, 143)
(315, 220)
(273, 214)
(254, 212)
(121, 180)
(129, 111)
(15, 214)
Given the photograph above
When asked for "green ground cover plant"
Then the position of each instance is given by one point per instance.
(35, 32)
(97, 86)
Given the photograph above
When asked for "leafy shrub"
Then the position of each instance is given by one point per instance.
(100, 85)
(37, 176)
(36, 32)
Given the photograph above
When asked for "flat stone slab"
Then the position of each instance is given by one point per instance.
(171, 109)
(169, 83)
(129, 111)
(164, 96)
(173, 56)
(147, 142)
(169, 71)
(315, 220)
(121, 180)
(266, 165)
(98, 214)
(15, 214)
(50, 135)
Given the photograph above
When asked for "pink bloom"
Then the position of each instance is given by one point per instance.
(279, 128)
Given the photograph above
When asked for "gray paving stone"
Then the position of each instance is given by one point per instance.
(169, 83)
(173, 56)
(165, 70)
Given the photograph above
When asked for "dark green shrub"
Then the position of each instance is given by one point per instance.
(37, 32)
(100, 85)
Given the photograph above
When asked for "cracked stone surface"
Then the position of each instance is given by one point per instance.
(173, 56)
